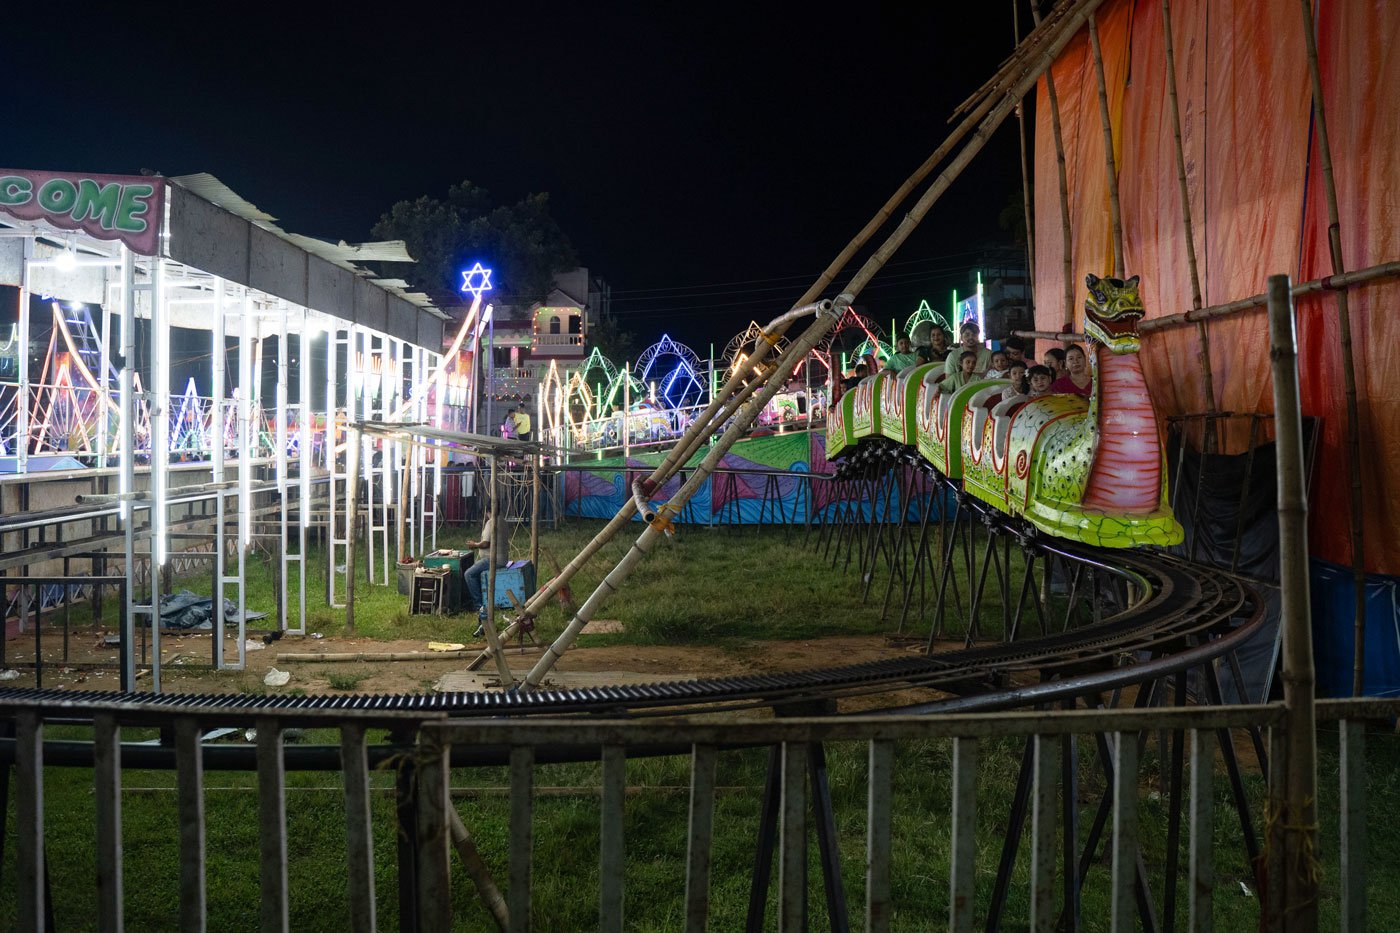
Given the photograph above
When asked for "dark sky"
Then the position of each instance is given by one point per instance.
(682, 146)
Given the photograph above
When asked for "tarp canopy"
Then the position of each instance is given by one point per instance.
(1254, 177)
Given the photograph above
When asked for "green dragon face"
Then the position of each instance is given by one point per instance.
(1111, 313)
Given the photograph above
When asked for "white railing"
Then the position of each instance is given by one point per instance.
(559, 340)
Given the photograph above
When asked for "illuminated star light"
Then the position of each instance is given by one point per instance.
(476, 280)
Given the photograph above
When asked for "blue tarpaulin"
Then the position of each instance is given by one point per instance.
(1333, 602)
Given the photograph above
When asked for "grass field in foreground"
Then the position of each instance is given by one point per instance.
(738, 589)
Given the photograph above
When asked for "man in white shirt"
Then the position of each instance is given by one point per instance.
(968, 339)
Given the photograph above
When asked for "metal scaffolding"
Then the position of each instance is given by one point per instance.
(208, 261)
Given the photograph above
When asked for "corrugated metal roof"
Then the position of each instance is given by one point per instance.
(342, 254)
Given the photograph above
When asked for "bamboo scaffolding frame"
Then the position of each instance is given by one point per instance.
(1367, 276)
(828, 315)
(1334, 243)
(716, 412)
(1025, 169)
(1066, 233)
(615, 578)
(1295, 804)
(1202, 331)
(1057, 34)
(1115, 209)
(1014, 65)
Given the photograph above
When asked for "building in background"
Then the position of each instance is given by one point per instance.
(521, 342)
(998, 295)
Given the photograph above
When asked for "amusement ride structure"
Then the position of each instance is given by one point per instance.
(1117, 634)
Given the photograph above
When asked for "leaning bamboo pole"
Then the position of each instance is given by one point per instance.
(827, 317)
(624, 515)
(1115, 209)
(1294, 806)
(1014, 67)
(1056, 35)
(718, 408)
(1067, 239)
(1025, 170)
(1202, 331)
(1334, 243)
(656, 528)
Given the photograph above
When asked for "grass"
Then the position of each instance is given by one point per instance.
(346, 680)
(566, 842)
(737, 589)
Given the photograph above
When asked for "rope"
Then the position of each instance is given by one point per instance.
(1309, 866)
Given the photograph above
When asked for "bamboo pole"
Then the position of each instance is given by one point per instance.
(1025, 171)
(1013, 67)
(654, 530)
(827, 317)
(1334, 243)
(1386, 270)
(491, 897)
(555, 584)
(1202, 331)
(1067, 270)
(488, 622)
(535, 511)
(717, 412)
(1115, 210)
(1056, 35)
(1295, 808)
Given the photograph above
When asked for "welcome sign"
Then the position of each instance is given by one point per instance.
(107, 207)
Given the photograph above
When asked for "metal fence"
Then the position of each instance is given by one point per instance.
(797, 803)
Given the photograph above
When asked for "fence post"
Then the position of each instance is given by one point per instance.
(522, 801)
(29, 819)
(359, 830)
(1297, 808)
(272, 825)
(1353, 806)
(611, 861)
(434, 879)
(107, 778)
(792, 853)
(189, 779)
(1047, 765)
(963, 873)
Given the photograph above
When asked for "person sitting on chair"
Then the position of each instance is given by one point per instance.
(495, 539)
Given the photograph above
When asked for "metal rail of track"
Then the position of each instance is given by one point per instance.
(1188, 614)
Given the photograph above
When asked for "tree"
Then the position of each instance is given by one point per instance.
(613, 340)
(1013, 217)
(520, 243)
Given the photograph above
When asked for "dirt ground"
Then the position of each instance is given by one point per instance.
(187, 658)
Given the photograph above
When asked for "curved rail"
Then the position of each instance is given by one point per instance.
(1185, 614)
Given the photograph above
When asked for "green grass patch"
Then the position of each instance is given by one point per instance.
(346, 680)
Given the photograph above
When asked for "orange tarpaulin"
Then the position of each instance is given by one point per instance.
(1258, 208)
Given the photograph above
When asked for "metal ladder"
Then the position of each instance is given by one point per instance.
(428, 589)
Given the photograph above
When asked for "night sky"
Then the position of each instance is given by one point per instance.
(708, 162)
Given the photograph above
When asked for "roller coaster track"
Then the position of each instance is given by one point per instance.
(1179, 616)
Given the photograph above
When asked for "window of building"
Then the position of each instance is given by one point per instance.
(575, 324)
(554, 324)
